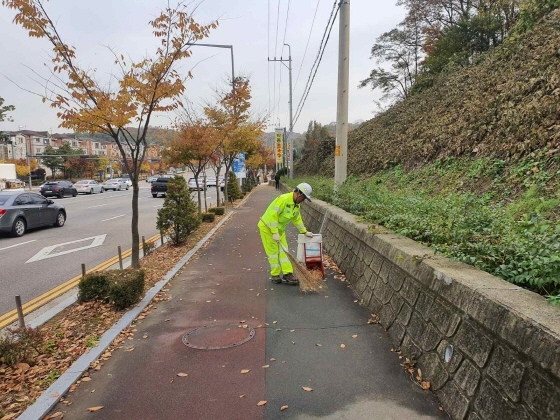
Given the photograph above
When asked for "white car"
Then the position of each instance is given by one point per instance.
(128, 181)
(210, 181)
(88, 186)
(151, 178)
(115, 184)
(192, 184)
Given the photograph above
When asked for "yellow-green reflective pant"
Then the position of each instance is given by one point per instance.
(277, 258)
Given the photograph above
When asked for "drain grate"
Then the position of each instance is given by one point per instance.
(218, 336)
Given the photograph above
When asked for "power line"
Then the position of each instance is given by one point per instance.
(286, 24)
(322, 47)
(307, 45)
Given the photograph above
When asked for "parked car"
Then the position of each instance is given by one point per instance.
(222, 183)
(210, 181)
(192, 184)
(58, 189)
(88, 186)
(115, 184)
(20, 212)
(126, 178)
(151, 178)
(159, 186)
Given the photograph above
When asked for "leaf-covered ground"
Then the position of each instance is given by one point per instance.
(77, 329)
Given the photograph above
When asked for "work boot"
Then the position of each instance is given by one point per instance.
(276, 279)
(290, 279)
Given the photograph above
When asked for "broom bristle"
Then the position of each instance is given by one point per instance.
(309, 280)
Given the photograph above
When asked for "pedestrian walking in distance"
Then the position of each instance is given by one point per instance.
(277, 180)
(272, 226)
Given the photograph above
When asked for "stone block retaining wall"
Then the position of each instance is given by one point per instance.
(490, 350)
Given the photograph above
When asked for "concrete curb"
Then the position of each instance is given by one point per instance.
(52, 395)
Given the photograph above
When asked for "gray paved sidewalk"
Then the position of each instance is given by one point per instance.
(297, 343)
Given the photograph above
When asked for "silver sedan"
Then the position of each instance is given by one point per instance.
(88, 186)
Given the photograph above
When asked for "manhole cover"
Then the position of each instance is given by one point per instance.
(221, 336)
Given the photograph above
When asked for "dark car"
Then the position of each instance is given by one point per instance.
(159, 186)
(58, 189)
(21, 211)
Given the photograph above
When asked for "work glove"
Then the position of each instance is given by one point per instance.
(276, 237)
(308, 234)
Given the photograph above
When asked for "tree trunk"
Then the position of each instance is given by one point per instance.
(135, 256)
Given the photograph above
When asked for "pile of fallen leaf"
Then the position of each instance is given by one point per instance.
(77, 329)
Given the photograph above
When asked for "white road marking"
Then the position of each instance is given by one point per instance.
(47, 252)
(111, 218)
(99, 205)
(13, 246)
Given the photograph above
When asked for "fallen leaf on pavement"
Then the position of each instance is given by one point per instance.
(426, 385)
(86, 379)
(242, 396)
(182, 375)
(355, 336)
(342, 346)
(97, 408)
(306, 388)
(245, 370)
(130, 349)
(272, 359)
(284, 407)
(261, 403)
(266, 366)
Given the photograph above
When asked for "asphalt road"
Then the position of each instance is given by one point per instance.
(96, 225)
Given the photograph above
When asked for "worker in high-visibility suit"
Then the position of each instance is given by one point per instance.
(272, 226)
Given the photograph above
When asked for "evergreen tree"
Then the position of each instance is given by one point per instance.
(178, 216)
(233, 190)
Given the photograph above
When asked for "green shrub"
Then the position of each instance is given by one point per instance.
(218, 210)
(94, 286)
(233, 190)
(20, 345)
(208, 217)
(178, 215)
(127, 287)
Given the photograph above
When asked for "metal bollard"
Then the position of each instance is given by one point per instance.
(83, 270)
(20, 312)
(120, 258)
(144, 246)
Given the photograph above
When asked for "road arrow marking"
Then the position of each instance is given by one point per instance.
(51, 251)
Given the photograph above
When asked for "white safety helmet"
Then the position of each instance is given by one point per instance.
(305, 189)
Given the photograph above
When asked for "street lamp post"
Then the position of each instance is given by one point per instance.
(220, 46)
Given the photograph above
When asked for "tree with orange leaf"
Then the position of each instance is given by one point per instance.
(237, 130)
(149, 85)
(192, 146)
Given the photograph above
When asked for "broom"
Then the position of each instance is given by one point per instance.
(309, 280)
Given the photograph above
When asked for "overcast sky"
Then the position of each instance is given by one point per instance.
(256, 29)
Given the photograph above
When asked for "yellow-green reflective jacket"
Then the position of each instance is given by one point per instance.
(280, 212)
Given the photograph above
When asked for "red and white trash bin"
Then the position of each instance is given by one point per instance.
(310, 252)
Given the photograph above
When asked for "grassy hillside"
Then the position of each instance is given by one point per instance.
(507, 106)
(471, 166)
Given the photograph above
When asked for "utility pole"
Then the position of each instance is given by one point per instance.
(289, 141)
(341, 148)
